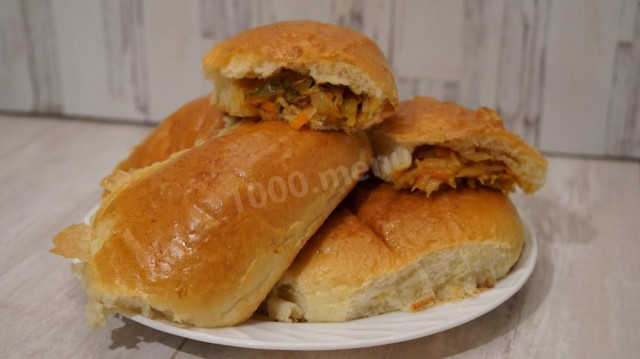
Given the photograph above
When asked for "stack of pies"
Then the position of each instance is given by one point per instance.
(303, 190)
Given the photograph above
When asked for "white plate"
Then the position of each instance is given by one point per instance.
(383, 329)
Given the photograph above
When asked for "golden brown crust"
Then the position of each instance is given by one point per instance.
(413, 224)
(73, 242)
(196, 121)
(345, 251)
(328, 53)
(189, 238)
(300, 43)
(379, 243)
(427, 121)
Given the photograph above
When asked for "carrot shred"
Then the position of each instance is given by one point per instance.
(438, 175)
(251, 103)
(269, 106)
(300, 120)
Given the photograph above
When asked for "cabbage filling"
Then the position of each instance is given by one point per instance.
(435, 167)
(300, 100)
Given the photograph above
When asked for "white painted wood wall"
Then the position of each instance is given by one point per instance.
(565, 74)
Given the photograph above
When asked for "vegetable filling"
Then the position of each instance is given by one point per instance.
(300, 100)
(434, 167)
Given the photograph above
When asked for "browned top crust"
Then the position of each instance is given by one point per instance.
(196, 121)
(329, 53)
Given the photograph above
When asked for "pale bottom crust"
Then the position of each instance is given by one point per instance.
(445, 275)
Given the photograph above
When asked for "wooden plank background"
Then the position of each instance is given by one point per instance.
(565, 75)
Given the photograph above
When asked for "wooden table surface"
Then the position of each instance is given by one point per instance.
(581, 301)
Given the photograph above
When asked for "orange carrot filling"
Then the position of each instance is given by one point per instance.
(435, 167)
(287, 94)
